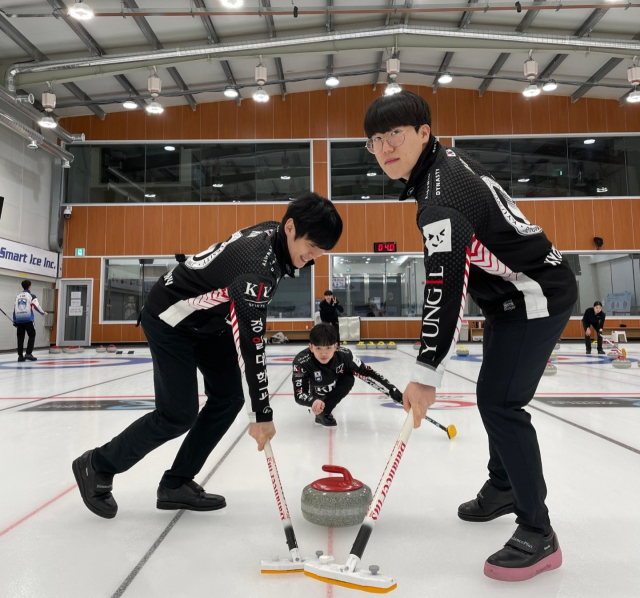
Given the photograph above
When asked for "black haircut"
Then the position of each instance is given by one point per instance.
(26, 284)
(317, 218)
(404, 109)
(329, 292)
(323, 335)
(596, 303)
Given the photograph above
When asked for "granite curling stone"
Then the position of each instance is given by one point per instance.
(381, 345)
(101, 349)
(614, 354)
(553, 357)
(550, 370)
(416, 346)
(55, 349)
(371, 345)
(557, 347)
(392, 346)
(111, 349)
(622, 363)
(336, 501)
(462, 351)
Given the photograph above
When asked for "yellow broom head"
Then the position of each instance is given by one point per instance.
(451, 430)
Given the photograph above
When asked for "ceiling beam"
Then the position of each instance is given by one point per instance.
(156, 44)
(60, 10)
(602, 72)
(271, 28)
(26, 46)
(499, 63)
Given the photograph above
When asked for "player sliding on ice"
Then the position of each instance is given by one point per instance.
(324, 374)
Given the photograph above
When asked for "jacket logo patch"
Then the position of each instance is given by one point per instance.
(554, 258)
(22, 304)
(259, 292)
(437, 236)
(317, 376)
(340, 369)
(508, 305)
(450, 153)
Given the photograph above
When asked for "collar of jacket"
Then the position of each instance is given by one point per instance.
(424, 163)
(282, 252)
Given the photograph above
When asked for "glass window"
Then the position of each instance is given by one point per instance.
(539, 168)
(356, 175)
(494, 155)
(293, 298)
(632, 151)
(597, 166)
(229, 172)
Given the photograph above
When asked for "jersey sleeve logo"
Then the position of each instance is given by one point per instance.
(258, 292)
(437, 236)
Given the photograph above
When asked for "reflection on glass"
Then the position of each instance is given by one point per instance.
(597, 169)
(539, 168)
(293, 296)
(494, 155)
(632, 151)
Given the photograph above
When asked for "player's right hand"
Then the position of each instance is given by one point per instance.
(261, 432)
(588, 331)
(317, 407)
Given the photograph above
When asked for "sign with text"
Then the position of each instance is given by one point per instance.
(25, 258)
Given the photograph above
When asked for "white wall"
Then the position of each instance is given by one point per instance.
(25, 184)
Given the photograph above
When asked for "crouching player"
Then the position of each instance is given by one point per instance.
(324, 374)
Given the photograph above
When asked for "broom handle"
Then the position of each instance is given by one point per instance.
(292, 543)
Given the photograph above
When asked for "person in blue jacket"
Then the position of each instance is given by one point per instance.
(23, 318)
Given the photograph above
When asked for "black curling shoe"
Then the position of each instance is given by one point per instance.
(189, 496)
(524, 556)
(490, 504)
(327, 420)
(95, 488)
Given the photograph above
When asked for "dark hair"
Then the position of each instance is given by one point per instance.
(596, 303)
(329, 292)
(26, 284)
(323, 335)
(316, 217)
(398, 110)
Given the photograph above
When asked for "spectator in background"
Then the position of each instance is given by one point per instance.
(594, 316)
(329, 309)
(23, 318)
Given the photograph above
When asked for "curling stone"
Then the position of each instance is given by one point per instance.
(337, 501)
(55, 349)
(553, 357)
(392, 346)
(370, 345)
(345, 343)
(462, 351)
(360, 345)
(613, 354)
(550, 369)
(381, 345)
(622, 363)
(111, 349)
(557, 347)
(416, 345)
(80, 349)
(100, 349)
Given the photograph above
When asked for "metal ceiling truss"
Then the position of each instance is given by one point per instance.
(271, 28)
(407, 4)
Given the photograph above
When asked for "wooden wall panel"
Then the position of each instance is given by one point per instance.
(322, 266)
(136, 125)
(377, 329)
(172, 126)
(321, 285)
(540, 121)
(356, 235)
(74, 267)
(115, 230)
(635, 210)
(299, 115)
(483, 108)
(264, 120)
(337, 111)
(152, 230)
(521, 114)
(320, 151)
(92, 270)
(432, 99)
(209, 117)
(191, 122)
(190, 230)
(279, 210)
(565, 237)
(622, 224)
(374, 224)
(318, 111)
(281, 117)
(559, 114)
(130, 333)
(117, 125)
(528, 208)
(209, 233)
(341, 246)
(245, 216)
(412, 234)
(227, 120)
(396, 329)
(414, 327)
(154, 126)
(545, 217)
(502, 123)
(394, 224)
(583, 214)
(76, 230)
(321, 178)
(247, 120)
(603, 220)
(96, 230)
(578, 122)
(632, 117)
(170, 230)
(264, 213)
(354, 111)
(596, 115)
(447, 125)
(133, 230)
(465, 112)
(227, 222)
(615, 117)
(99, 129)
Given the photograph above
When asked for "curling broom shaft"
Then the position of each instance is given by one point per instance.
(292, 543)
(435, 423)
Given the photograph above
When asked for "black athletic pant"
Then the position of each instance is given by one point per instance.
(515, 355)
(176, 358)
(30, 329)
(343, 388)
(589, 339)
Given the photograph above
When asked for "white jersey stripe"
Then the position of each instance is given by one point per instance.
(183, 309)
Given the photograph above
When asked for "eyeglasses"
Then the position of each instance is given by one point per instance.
(395, 139)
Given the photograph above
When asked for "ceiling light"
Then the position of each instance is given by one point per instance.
(365, 197)
(550, 85)
(150, 195)
(445, 78)
(129, 105)
(80, 11)
(602, 189)
(218, 185)
(392, 88)
(154, 108)
(261, 74)
(231, 92)
(261, 95)
(32, 145)
(371, 173)
(634, 97)
(285, 177)
(531, 91)
(523, 180)
(47, 122)
(589, 141)
(170, 148)
(332, 80)
(66, 164)
(232, 3)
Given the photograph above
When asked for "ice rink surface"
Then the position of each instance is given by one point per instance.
(588, 423)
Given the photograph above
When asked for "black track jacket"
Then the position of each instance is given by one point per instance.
(230, 284)
(475, 237)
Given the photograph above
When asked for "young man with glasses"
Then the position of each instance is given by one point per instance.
(324, 374)
(475, 237)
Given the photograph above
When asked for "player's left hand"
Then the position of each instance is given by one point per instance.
(317, 407)
(419, 397)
